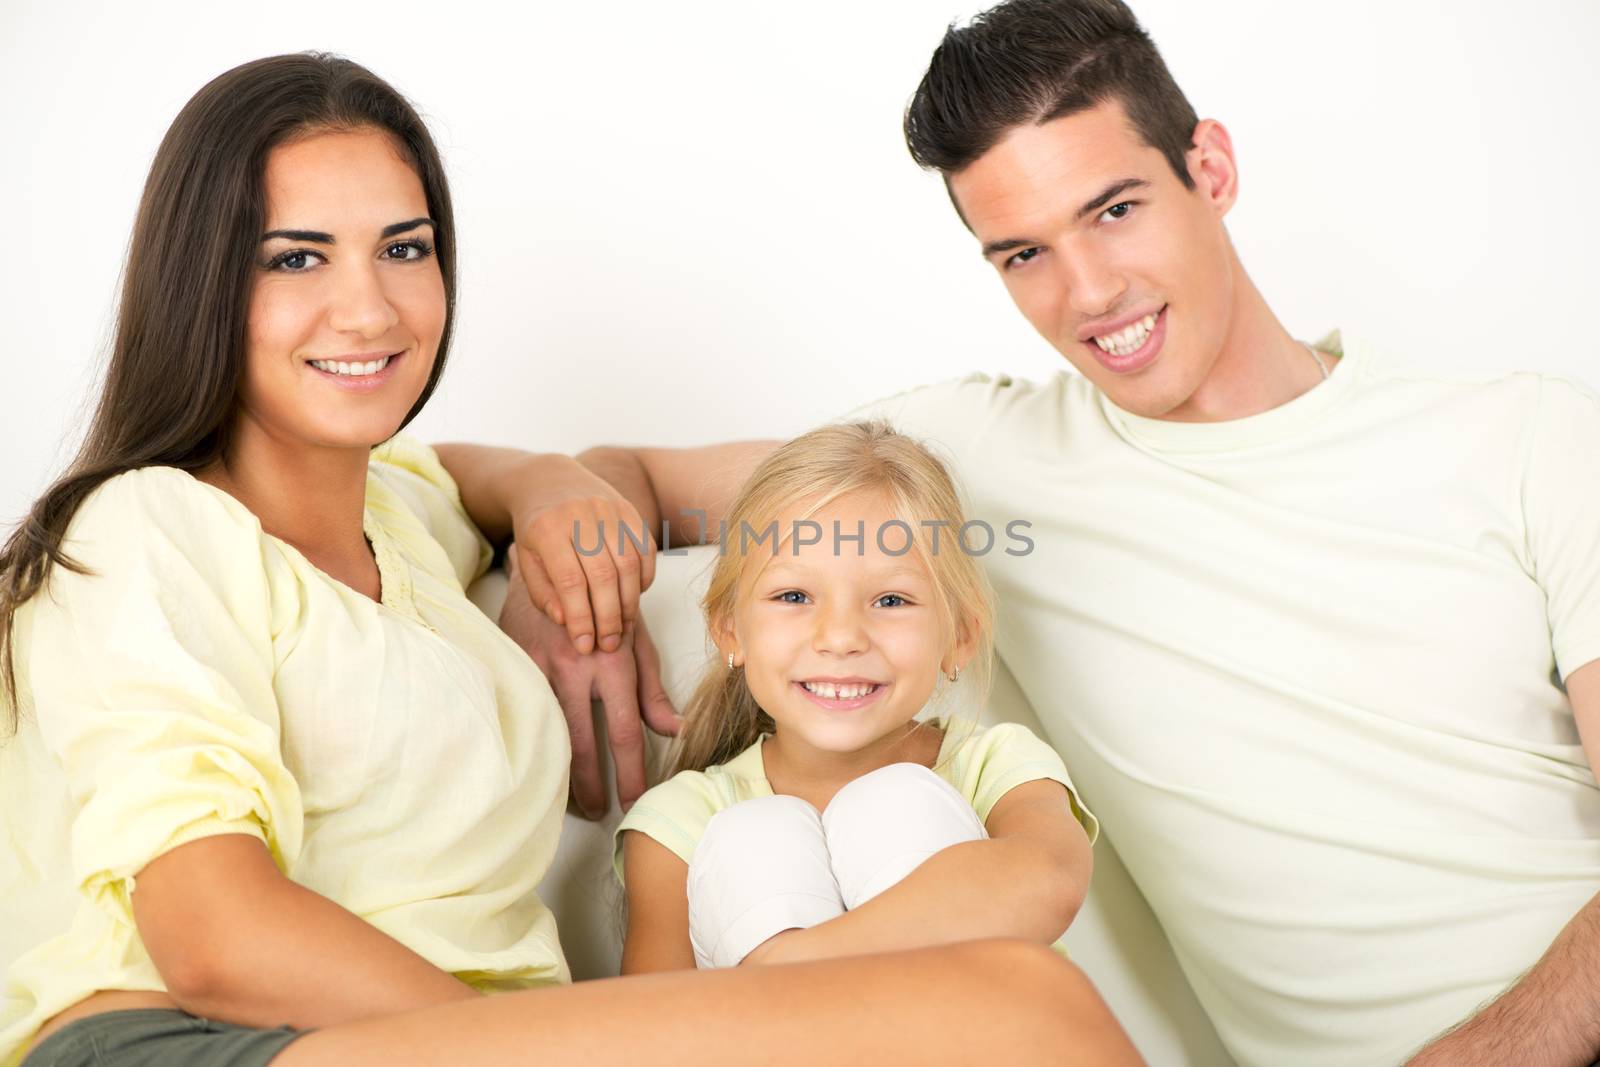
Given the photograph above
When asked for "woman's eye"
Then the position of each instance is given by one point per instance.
(899, 600)
(1021, 257)
(408, 250)
(1118, 211)
(293, 262)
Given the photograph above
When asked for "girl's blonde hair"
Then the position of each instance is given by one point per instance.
(722, 718)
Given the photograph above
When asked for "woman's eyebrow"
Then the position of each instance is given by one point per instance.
(318, 237)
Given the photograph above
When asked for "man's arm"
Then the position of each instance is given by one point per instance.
(679, 484)
(1551, 1016)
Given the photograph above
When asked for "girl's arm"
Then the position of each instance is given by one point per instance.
(235, 940)
(1026, 881)
(658, 907)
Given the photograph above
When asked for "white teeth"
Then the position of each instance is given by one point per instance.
(1130, 338)
(353, 370)
(829, 691)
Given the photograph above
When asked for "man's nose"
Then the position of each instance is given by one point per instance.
(1093, 284)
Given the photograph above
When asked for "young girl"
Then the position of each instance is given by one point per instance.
(813, 814)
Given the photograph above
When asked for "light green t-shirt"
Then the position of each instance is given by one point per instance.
(983, 764)
(1306, 664)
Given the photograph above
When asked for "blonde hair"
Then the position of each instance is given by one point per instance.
(722, 718)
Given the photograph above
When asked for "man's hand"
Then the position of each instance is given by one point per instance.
(626, 681)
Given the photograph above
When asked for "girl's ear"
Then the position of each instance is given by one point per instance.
(964, 647)
(727, 641)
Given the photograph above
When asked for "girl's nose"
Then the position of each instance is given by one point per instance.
(841, 631)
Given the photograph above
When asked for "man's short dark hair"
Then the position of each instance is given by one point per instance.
(1029, 61)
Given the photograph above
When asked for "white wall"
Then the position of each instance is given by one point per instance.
(688, 222)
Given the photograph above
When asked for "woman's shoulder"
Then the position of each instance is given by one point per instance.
(165, 498)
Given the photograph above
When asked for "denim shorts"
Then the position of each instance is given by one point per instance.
(158, 1037)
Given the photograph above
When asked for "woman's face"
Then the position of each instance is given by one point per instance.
(348, 303)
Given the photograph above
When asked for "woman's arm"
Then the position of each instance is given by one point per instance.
(235, 940)
(1027, 881)
(658, 907)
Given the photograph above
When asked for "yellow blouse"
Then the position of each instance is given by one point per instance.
(404, 759)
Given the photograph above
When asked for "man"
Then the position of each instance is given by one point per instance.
(1315, 638)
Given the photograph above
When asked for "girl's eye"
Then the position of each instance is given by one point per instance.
(414, 249)
(1118, 211)
(784, 596)
(1012, 262)
(295, 261)
(895, 597)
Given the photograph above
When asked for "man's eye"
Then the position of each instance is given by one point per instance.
(1119, 211)
(1022, 257)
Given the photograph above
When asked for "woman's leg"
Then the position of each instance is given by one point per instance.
(998, 1002)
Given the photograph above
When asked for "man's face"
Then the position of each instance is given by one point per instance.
(1119, 266)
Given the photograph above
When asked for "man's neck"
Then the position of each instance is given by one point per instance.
(1259, 366)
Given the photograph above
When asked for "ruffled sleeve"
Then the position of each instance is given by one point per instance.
(412, 472)
(994, 761)
(151, 678)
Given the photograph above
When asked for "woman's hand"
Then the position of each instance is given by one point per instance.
(626, 681)
(583, 551)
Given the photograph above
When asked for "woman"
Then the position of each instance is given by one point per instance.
(277, 792)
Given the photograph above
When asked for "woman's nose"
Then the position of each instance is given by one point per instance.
(359, 303)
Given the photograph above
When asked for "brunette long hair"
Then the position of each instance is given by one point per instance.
(177, 358)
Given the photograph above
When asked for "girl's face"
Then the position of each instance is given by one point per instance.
(348, 303)
(842, 642)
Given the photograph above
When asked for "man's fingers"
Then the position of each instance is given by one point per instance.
(588, 788)
(655, 706)
(624, 731)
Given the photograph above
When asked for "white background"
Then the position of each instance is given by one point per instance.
(690, 222)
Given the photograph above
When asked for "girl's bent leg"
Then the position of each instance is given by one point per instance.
(977, 1002)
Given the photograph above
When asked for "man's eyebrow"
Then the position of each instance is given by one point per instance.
(1115, 189)
(318, 237)
(1110, 192)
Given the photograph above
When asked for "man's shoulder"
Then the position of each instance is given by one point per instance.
(961, 412)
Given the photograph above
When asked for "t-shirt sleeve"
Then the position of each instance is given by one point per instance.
(1006, 755)
(1561, 506)
(674, 813)
(949, 415)
(150, 678)
(413, 471)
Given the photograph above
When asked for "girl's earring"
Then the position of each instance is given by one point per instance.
(730, 661)
(955, 675)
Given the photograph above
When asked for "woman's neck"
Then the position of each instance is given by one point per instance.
(311, 497)
(815, 775)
